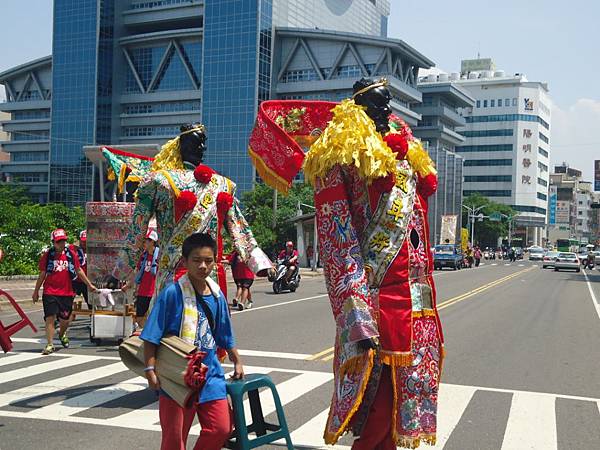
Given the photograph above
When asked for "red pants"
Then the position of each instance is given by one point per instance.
(377, 432)
(175, 422)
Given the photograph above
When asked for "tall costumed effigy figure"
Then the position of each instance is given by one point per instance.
(372, 179)
(184, 196)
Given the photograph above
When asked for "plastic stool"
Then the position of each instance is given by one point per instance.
(251, 384)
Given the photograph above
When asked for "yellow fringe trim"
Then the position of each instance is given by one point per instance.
(176, 190)
(350, 139)
(419, 159)
(169, 157)
(423, 313)
(442, 358)
(396, 359)
(409, 442)
(267, 174)
(110, 174)
(350, 365)
(122, 173)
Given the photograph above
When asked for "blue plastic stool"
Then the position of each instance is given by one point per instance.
(251, 384)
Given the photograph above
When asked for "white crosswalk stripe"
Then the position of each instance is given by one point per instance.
(531, 424)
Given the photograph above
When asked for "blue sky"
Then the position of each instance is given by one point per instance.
(548, 40)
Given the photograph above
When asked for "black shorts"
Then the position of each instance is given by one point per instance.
(57, 305)
(244, 283)
(141, 305)
(80, 288)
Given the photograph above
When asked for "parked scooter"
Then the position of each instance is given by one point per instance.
(279, 282)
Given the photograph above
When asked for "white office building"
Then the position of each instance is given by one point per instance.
(507, 147)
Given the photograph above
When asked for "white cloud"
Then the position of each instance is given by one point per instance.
(575, 135)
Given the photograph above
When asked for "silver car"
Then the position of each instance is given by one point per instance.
(536, 254)
(549, 259)
(566, 261)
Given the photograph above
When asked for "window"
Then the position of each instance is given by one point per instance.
(544, 138)
(489, 193)
(30, 177)
(542, 152)
(28, 156)
(507, 102)
(485, 103)
(499, 102)
(508, 118)
(514, 103)
(488, 162)
(492, 103)
(542, 196)
(30, 135)
(543, 167)
(487, 178)
(478, 104)
(167, 131)
(150, 108)
(488, 133)
(542, 182)
(31, 114)
(485, 148)
(293, 76)
(580, 213)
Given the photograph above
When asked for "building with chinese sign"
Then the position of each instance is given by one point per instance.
(570, 215)
(507, 147)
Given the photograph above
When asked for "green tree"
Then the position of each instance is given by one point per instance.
(487, 232)
(258, 210)
(25, 229)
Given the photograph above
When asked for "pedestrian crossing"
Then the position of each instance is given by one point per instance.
(99, 390)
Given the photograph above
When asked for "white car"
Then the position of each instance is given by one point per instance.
(536, 254)
(549, 259)
(567, 260)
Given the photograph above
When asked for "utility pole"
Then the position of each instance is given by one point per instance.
(472, 216)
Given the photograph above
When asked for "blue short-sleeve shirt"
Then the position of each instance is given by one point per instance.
(165, 319)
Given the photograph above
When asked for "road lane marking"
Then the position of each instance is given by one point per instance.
(531, 423)
(320, 354)
(452, 404)
(275, 305)
(50, 363)
(13, 358)
(480, 289)
(278, 355)
(589, 285)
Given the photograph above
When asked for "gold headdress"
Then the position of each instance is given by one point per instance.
(169, 157)
(380, 83)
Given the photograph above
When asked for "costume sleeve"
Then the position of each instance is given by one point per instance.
(224, 333)
(340, 252)
(243, 240)
(145, 207)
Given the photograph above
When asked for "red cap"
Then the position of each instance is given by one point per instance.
(59, 235)
(289, 244)
(83, 236)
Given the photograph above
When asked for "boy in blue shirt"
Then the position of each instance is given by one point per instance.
(194, 309)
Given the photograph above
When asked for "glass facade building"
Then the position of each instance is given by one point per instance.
(131, 72)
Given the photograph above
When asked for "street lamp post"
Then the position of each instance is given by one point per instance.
(472, 216)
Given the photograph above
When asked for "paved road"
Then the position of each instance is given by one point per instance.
(522, 370)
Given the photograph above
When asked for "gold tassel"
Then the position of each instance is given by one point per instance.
(419, 159)
(122, 173)
(169, 157)
(268, 176)
(397, 359)
(350, 139)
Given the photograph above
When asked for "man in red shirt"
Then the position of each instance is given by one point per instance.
(290, 259)
(59, 267)
(146, 277)
(244, 278)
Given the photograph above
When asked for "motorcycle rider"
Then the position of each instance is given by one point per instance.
(589, 260)
(289, 256)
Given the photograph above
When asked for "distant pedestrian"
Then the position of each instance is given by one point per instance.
(310, 254)
(477, 255)
(145, 278)
(244, 278)
(59, 267)
(79, 287)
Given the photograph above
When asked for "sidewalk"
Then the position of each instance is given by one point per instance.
(22, 289)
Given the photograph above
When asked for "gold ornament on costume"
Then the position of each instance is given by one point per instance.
(292, 121)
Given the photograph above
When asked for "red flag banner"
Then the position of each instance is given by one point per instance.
(283, 131)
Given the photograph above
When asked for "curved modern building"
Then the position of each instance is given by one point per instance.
(130, 72)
